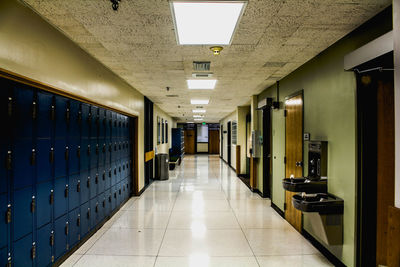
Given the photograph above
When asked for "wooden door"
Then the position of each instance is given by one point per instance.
(190, 141)
(294, 153)
(213, 142)
(229, 143)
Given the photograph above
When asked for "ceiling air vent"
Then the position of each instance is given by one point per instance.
(201, 65)
(274, 64)
(172, 95)
(202, 75)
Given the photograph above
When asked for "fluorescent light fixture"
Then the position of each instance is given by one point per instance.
(199, 101)
(206, 22)
(198, 119)
(190, 122)
(199, 111)
(198, 116)
(201, 84)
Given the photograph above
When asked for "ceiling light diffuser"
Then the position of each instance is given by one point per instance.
(206, 22)
(199, 111)
(199, 101)
(201, 84)
(198, 116)
(198, 119)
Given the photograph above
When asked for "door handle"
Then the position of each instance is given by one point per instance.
(299, 164)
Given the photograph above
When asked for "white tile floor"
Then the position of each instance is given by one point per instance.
(202, 216)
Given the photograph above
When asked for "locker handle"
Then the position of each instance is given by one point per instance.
(66, 153)
(67, 115)
(88, 213)
(10, 106)
(96, 180)
(9, 262)
(52, 113)
(51, 156)
(80, 117)
(33, 251)
(119, 191)
(78, 220)
(34, 110)
(109, 199)
(104, 175)
(109, 148)
(51, 197)
(88, 150)
(88, 182)
(119, 146)
(97, 149)
(33, 157)
(33, 204)
(97, 207)
(78, 152)
(52, 239)
(78, 187)
(119, 169)
(9, 160)
(8, 214)
(115, 194)
(66, 228)
(109, 173)
(89, 118)
(104, 148)
(66, 192)
(104, 203)
(115, 171)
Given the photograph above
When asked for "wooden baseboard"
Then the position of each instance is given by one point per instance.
(393, 242)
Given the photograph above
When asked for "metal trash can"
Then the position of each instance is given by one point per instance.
(162, 166)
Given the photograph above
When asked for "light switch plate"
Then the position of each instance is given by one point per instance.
(306, 136)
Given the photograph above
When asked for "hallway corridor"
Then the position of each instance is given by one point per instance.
(202, 216)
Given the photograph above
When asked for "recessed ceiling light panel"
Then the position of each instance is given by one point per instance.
(199, 101)
(198, 116)
(206, 22)
(199, 111)
(198, 119)
(201, 84)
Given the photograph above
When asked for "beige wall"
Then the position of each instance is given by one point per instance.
(31, 47)
(396, 32)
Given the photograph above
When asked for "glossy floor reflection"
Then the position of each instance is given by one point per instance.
(202, 216)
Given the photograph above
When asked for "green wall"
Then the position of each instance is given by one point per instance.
(329, 114)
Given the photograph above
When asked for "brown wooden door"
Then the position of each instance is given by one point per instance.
(213, 142)
(294, 153)
(189, 141)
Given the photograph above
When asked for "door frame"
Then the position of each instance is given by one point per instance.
(267, 152)
(229, 141)
(222, 141)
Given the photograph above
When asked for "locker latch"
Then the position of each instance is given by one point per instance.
(33, 251)
(34, 110)
(66, 228)
(115, 194)
(78, 152)
(9, 160)
(115, 171)
(104, 175)
(109, 199)
(52, 238)
(88, 213)
(8, 214)
(104, 203)
(78, 220)
(10, 106)
(51, 158)
(88, 182)
(96, 180)
(78, 186)
(119, 169)
(109, 173)
(9, 262)
(53, 113)
(89, 118)
(33, 204)
(97, 149)
(109, 147)
(123, 188)
(79, 117)
(97, 207)
(33, 157)
(119, 191)
(104, 148)
(88, 150)
(51, 197)
(66, 192)
(67, 116)
(66, 153)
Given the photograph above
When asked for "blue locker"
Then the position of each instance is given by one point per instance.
(44, 199)
(102, 153)
(3, 256)
(102, 180)
(61, 117)
(102, 124)
(102, 206)
(109, 149)
(85, 120)
(119, 194)
(74, 220)
(3, 223)
(84, 154)
(94, 153)
(108, 197)
(73, 188)
(25, 108)
(94, 183)
(3, 168)
(74, 119)
(45, 158)
(114, 173)
(61, 192)
(85, 187)
(45, 115)
(113, 197)
(24, 160)
(25, 252)
(73, 156)
(85, 218)
(119, 171)
(107, 183)
(61, 152)
(44, 244)
(61, 229)
(94, 122)
(94, 207)
(113, 126)
(24, 204)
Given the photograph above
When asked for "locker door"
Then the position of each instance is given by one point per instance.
(85, 218)
(102, 153)
(74, 119)
(85, 120)
(113, 197)
(22, 212)
(102, 125)
(61, 192)
(94, 207)
(24, 159)
(103, 205)
(84, 154)
(119, 197)
(61, 229)
(94, 153)
(3, 223)
(107, 182)
(61, 117)
(102, 180)
(45, 243)
(3, 256)
(114, 134)
(119, 171)
(94, 183)
(108, 153)
(44, 199)
(73, 157)
(108, 196)
(84, 187)
(45, 159)
(73, 191)
(45, 115)
(3, 168)
(74, 227)
(61, 153)
(114, 174)
(24, 110)
(24, 251)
